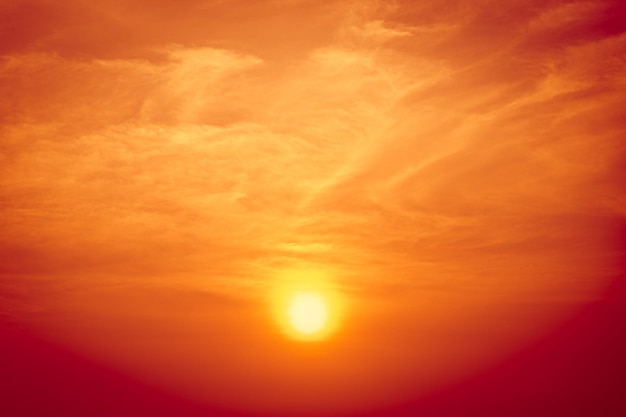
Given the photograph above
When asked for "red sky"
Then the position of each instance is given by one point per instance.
(453, 169)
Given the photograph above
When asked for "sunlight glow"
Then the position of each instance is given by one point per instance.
(308, 313)
(306, 304)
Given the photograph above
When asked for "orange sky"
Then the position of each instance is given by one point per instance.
(454, 169)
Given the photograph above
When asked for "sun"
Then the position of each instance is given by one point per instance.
(307, 305)
(308, 313)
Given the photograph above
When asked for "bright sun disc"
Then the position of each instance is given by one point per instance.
(306, 305)
(308, 313)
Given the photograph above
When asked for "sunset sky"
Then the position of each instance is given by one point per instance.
(449, 174)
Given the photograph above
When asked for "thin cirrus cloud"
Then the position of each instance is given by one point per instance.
(160, 161)
(412, 136)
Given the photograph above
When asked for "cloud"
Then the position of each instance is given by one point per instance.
(409, 141)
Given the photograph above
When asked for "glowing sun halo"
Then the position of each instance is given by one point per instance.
(306, 305)
(308, 313)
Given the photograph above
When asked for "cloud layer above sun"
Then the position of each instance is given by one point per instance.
(470, 146)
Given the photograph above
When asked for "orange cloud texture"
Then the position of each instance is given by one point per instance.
(455, 169)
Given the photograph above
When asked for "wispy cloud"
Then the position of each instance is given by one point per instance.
(405, 141)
